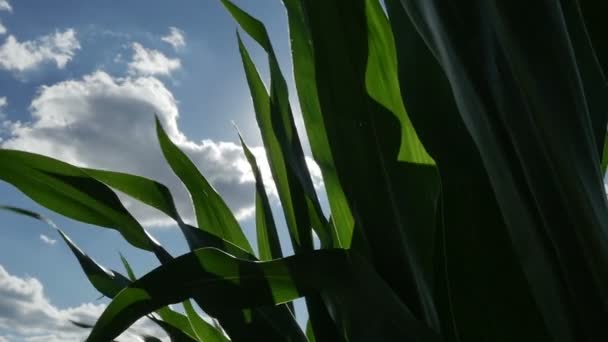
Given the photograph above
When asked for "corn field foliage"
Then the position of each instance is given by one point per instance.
(462, 147)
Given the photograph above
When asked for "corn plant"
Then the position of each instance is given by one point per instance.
(462, 147)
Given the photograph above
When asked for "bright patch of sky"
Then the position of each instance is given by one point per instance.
(81, 81)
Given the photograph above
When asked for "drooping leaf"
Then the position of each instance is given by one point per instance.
(233, 283)
(69, 191)
(140, 188)
(106, 281)
(238, 325)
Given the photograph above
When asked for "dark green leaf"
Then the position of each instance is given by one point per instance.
(523, 102)
(69, 191)
(394, 212)
(233, 283)
(106, 281)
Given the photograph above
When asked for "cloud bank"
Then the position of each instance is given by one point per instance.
(107, 122)
(26, 314)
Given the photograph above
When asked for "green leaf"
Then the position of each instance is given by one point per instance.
(287, 161)
(158, 196)
(106, 281)
(212, 213)
(283, 147)
(204, 331)
(128, 268)
(269, 246)
(233, 283)
(69, 191)
(142, 189)
(522, 99)
(172, 320)
(382, 82)
(304, 74)
(175, 334)
(394, 212)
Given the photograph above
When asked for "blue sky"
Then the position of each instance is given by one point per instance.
(80, 81)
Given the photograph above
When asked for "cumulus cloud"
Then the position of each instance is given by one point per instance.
(26, 314)
(107, 122)
(59, 48)
(175, 38)
(149, 62)
(5, 6)
(2, 31)
(47, 240)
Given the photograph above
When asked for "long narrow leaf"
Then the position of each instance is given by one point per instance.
(283, 146)
(269, 246)
(212, 213)
(69, 191)
(204, 331)
(232, 283)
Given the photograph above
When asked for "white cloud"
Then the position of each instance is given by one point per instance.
(149, 62)
(106, 122)
(47, 240)
(5, 6)
(59, 48)
(3, 104)
(26, 314)
(2, 31)
(175, 38)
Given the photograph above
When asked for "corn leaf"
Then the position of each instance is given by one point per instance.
(212, 213)
(382, 81)
(233, 283)
(269, 246)
(365, 139)
(286, 157)
(69, 191)
(523, 99)
(204, 331)
(238, 324)
(304, 74)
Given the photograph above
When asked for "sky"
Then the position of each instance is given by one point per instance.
(81, 81)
